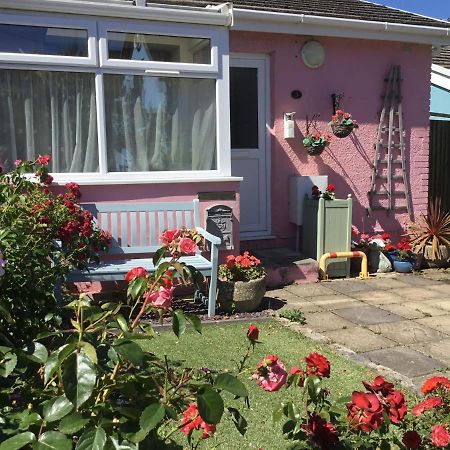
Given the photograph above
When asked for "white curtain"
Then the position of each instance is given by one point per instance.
(160, 123)
(48, 113)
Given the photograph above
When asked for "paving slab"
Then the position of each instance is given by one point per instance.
(443, 304)
(310, 289)
(386, 282)
(378, 297)
(440, 323)
(418, 381)
(332, 302)
(418, 294)
(404, 310)
(359, 339)
(439, 350)
(367, 315)
(325, 321)
(303, 305)
(407, 332)
(416, 279)
(405, 360)
(442, 288)
(427, 308)
(349, 286)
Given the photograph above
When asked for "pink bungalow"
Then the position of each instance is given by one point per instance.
(176, 100)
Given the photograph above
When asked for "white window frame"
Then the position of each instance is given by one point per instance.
(56, 22)
(100, 65)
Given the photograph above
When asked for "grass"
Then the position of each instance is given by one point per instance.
(221, 346)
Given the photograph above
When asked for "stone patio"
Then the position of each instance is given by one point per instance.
(397, 321)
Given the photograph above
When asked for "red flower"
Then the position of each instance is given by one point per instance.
(385, 236)
(379, 385)
(339, 112)
(245, 262)
(397, 406)
(192, 421)
(317, 365)
(321, 432)
(365, 411)
(297, 372)
(440, 436)
(44, 159)
(271, 373)
(433, 383)
(74, 189)
(331, 188)
(389, 247)
(187, 246)
(137, 272)
(230, 261)
(412, 440)
(253, 333)
(426, 405)
(169, 235)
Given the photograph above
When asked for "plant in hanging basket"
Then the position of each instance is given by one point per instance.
(342, 124)
(315, 143)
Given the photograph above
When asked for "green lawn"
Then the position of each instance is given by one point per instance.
(220, 346)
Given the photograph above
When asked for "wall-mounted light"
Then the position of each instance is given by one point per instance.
(289, 125)
(313, 54)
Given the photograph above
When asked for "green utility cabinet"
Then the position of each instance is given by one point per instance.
(327, 226)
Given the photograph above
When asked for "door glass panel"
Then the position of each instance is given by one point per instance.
(244, 107)
(149, 47)
(43, 40)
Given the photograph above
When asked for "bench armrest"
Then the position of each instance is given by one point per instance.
(208, 236)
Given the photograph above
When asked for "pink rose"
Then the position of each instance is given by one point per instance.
(355, 231)
(17, 162)
(44, 159)
(169, 235)
(161, 298)
(187, 246)
(271, 374)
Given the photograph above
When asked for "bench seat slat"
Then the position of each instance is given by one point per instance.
(116, 270)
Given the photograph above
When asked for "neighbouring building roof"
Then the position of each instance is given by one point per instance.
(443, 58)
(345, 9)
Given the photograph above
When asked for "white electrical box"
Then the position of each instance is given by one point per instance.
(298, 188)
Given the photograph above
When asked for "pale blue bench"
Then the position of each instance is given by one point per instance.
(135, 228)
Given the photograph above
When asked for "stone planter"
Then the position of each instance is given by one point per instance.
(241, 296)
(428, 262)
(403, 266)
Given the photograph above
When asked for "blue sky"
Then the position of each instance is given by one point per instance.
(431, 8)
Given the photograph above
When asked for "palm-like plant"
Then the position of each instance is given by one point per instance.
(432, 229)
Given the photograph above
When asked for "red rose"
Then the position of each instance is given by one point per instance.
(433, 383)
(271, 373)
(253, 333)
(192, 421)
(137, 272)
(297, 372)
(440, 436)
(365, 411)
(397, 406)
(44, 159)
(162, 298)
(169, 235)
(412, 440)
(187, 246)
(426, 405)
(331, 188)
(379, 385)
(321, 432)
(317, 365)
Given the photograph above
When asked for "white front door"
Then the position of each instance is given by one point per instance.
(249, 99)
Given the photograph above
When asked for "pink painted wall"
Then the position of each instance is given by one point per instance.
(355, 68)
(166, 192)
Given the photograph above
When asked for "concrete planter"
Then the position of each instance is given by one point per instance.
(241, 296)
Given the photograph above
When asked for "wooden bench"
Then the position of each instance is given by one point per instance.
(135, 228)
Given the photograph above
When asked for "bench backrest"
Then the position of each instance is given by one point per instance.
(136, 227)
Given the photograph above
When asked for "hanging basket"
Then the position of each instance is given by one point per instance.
(341, 131)
(315, 150)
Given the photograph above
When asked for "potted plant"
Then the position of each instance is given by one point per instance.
(315, 143)
(242, 283)
(403, 258)
(342, 124)
(329, 193)
(430, 237)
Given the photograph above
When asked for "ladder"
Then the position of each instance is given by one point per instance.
(389, 189)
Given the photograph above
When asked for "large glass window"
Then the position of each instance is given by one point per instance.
(48, 113)
(148, 47)
(160, 123)
(43, 40)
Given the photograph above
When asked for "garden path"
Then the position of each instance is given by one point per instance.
(398, 321)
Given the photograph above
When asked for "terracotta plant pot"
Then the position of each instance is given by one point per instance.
(241, 296)
(342, 131)
(403, 266)
(428, 262)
